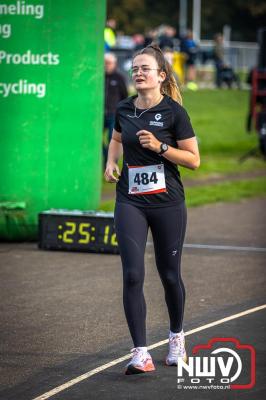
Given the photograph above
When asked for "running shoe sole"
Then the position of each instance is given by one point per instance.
(131, 370)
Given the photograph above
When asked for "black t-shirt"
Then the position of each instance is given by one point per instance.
(169, 122)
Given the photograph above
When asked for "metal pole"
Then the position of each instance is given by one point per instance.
(182, 17)
(196, 19)
(228, 53)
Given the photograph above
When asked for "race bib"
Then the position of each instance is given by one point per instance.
(146, 179)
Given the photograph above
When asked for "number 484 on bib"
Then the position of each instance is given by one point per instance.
(148, 179)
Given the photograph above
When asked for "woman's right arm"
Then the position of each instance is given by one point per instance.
(115, 151)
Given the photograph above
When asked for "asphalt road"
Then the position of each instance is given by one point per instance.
(61, 312)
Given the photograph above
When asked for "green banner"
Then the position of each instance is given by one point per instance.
(51, 99)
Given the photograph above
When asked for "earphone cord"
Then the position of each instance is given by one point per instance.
(147, 109)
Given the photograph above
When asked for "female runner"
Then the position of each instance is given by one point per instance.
(154, 134)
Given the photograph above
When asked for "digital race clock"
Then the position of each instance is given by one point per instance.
(76, 230)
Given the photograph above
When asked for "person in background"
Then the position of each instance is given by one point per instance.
(169, 56)
(218, 57)
(190, 48)
(224, 71)
(109, 34)
(139, 40)
(150, 37)
(166, 39)
(115, 91)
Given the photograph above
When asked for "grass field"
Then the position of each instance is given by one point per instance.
(219, 120)
(226, 191)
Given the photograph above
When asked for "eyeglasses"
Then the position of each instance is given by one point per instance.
(145, 70)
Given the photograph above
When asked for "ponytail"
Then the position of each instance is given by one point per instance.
(169, 85)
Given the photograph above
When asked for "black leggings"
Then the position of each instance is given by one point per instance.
(168, 226)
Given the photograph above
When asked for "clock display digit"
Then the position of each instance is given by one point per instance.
(68, 232)
(113, 240)
(107, 239)
(84, 233)
(106, 234)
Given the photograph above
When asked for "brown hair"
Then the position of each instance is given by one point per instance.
(169, 85)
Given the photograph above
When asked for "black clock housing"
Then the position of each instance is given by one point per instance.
(74, 230)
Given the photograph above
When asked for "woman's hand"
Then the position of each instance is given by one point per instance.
(111, 167)
(149, 141)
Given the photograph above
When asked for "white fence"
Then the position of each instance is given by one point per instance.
(240, 55)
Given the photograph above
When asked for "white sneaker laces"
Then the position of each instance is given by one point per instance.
(177, 346)
(138, 356)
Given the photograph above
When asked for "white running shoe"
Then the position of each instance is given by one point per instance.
(176, 349)
(141, 362)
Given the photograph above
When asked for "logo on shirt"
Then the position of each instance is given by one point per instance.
(157, 117)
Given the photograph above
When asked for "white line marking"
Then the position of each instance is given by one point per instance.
(127, 356)
(217, 247)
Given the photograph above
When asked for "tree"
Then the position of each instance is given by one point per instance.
(244, 16)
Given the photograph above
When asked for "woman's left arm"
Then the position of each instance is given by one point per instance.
(186, 155)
